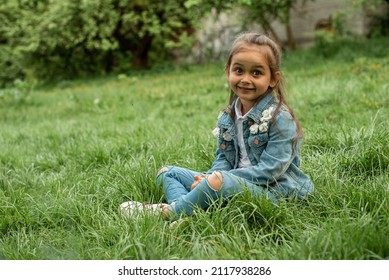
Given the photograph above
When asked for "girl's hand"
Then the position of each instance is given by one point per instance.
(197, 180)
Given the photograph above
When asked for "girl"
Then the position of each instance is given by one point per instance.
(258, 135)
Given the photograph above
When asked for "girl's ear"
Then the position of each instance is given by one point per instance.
(276, 77)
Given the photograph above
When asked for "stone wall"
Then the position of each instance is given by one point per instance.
(218, 31)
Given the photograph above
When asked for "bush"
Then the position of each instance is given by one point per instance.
(55, 40)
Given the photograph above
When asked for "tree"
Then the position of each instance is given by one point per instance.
(48, 39)
(143, 24)
(379, 12)
(265, 12)
(10, 70)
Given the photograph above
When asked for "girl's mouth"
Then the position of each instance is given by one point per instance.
(245, 89)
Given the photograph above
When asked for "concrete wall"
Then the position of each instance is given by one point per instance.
(304, 18)
(218, 31)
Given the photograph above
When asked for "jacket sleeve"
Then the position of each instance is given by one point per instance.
(278, 154)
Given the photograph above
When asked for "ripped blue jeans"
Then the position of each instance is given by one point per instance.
(176, 184)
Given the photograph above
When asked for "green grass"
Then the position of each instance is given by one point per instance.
(71, 153)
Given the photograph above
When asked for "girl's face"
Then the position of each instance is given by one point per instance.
(249, 74)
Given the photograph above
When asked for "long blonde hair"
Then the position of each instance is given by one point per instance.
(274, 62)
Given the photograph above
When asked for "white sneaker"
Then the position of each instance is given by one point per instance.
(135, 208)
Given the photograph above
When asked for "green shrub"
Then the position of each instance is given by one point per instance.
(56, 40)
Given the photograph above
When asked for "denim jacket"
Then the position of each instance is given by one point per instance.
(269, 144)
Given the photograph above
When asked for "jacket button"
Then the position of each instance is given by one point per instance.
(256, 141)
(250, 122)
(223, 146)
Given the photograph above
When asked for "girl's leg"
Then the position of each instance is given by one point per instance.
(218, 186)
(175, 181)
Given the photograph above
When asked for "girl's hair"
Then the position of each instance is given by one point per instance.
(274, 62)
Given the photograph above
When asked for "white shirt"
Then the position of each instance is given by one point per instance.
(244, 161)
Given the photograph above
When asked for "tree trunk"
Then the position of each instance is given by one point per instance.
(140, 52)
(291, 39)
(138, 47)
(269, 29)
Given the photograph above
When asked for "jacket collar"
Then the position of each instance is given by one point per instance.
(256, 112)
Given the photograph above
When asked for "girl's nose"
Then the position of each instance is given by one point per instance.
(245, 79)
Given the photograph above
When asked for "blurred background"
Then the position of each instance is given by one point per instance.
(55, 40)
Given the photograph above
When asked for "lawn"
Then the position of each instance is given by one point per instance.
(71, 152)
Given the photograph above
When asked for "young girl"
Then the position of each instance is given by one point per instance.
(258, 135)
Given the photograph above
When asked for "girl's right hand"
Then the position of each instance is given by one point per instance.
(197, 180)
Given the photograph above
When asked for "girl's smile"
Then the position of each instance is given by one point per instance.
(245, 90)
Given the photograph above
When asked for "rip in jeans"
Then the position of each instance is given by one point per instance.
(215, 181)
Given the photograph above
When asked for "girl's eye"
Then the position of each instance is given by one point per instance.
(238, 70)
(256, 73)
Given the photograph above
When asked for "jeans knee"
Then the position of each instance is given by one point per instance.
(215, 181)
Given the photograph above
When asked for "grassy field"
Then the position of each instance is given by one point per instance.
(72, 152)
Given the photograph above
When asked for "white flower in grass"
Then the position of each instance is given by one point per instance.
(227, 136)
(254, 128)
(216, 132)
(263, 127)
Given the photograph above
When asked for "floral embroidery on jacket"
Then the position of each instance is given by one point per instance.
(227, 136)
(264, 125)
(254, 128)
(216, 132)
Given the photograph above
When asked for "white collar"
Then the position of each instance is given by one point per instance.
(238, 111)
